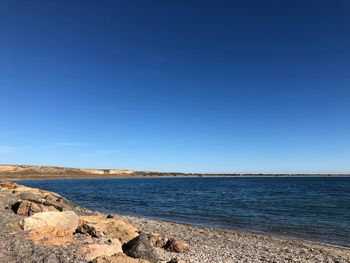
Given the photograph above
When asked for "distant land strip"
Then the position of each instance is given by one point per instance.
(22, 172)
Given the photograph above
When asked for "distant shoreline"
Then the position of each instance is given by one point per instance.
(70, 177)
(83, 177)
(31, 172)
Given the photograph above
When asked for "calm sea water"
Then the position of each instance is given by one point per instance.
(316, 209)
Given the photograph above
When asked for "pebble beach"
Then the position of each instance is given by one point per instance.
(227, 246)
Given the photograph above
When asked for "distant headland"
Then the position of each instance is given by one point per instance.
(9, 171)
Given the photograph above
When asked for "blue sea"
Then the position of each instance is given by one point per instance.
(312, 208)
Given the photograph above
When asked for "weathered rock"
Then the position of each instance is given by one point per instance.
(175, 260)
(113, 216)
(58, 200)
(90, 230)
(51, 236)
(34, 196)
(157, 240)
(93, 251)
(140, 247)
(8, 185)
(28, 208)
(33, 192)
(40, 199)
(67, 221)
(175, 245)
(119, 258)
(51, 228)
(110, 227)
(53, 198)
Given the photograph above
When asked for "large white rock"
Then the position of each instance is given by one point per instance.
(67, 221)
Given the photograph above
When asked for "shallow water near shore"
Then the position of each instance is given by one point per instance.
(316, 209)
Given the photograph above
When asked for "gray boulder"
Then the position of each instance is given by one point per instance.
(140, 247)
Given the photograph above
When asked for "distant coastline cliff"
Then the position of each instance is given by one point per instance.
(34, 171)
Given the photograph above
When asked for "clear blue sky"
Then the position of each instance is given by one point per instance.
(194, 86)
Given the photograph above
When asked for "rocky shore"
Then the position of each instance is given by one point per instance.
(42, 226)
